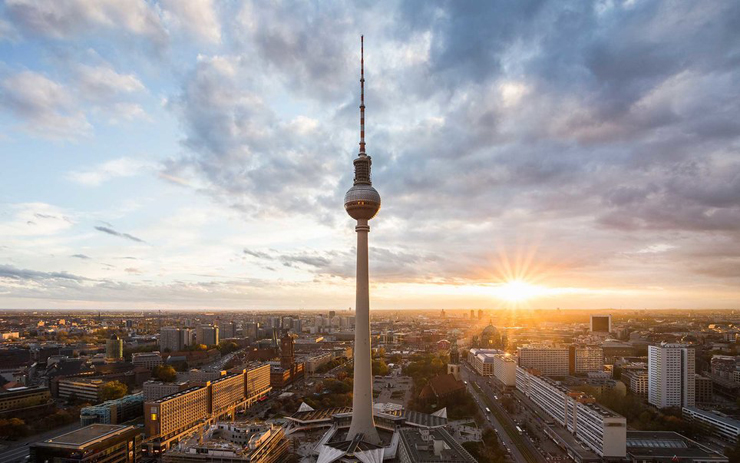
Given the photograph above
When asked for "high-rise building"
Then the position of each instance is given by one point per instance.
(601, 323)
(187, 337)
(226, 329)
(114, 348)
(671, 381)
(169, 339)
(362, 203)
(207, 334)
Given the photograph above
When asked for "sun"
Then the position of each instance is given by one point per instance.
(516, 291)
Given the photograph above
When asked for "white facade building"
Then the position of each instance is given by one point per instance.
(671, 380)
(597, 427)
(482, 360)
(718, 424)
(504, 368)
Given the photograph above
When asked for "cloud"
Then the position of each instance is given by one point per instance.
(65, 19)
(47, 107)
(110, 231)
(13, 273)
(116, 168)
(102, 82)
(80, 256)
(197, 18)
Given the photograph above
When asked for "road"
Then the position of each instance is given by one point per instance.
(19, 450)
(520, 447)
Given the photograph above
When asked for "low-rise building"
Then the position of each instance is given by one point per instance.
(114, 411)
(482, 360)
(80, 388)
(430, 445)
(233, 443)
(97, 442)
(668, 447)
(146, 359)
(154, 390)
(716, 423)
(549, 361)
(635, 377)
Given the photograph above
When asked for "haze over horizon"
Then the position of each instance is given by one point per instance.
(194, 155)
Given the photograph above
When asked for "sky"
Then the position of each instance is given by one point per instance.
(531, 154)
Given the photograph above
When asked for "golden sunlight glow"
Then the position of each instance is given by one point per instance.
(517, 291)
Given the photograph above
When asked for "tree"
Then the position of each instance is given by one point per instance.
(164, 373)
(13, 428)
(113, 390)
(380, 367)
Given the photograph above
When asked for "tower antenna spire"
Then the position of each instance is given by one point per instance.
(362, 94)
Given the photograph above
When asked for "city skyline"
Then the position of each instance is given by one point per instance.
(193, 155)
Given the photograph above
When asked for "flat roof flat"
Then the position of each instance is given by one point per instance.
(87, 435)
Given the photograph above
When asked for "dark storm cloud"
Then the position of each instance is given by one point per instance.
(113, 232)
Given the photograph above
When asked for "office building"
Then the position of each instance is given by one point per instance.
(233, 443)
(147, 360)
(154, 390)
(114, 348)
(671, 378)
(715, 423)
(430, 446)
(597, 427)
(482, 360)
(80, 388)
(226, 329)
(601, 323)
(95, 443)
(114, 411)
(504, 368)
(586, 359)
(549, 361)
(22, 398)
(172, 417)
(207, 334)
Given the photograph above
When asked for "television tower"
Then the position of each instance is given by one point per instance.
(362, 202)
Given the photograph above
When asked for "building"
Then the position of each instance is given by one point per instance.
(668, 447)
(169, 418)
(597, 427)
(490, 337)
(482, 360)
(314, 362)
(146, 359)
(94, 443)
(504, 368)
(601, 323)
(635, 377)
(24, 402)
(671, 378)
(114, 348)
(441, 387)
(154, 390)
(233, 443)
(114, 411)
(207, 334)
(170, 340)
(430, 445)
(81, 388)
(549, 361)
(716, 423)
(586, 359)
(703, 389)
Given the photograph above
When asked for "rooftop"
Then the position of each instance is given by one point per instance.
(83, 437)
(434, 445)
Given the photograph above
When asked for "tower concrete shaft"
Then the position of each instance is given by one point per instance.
(362, 400)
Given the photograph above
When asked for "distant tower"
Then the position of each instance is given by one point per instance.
(453, 367)
(362, 202)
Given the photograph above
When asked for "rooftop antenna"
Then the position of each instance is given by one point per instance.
(362, 94)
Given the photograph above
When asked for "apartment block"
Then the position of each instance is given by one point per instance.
(549, 361)
(146, 359)
(671, 375)
(597, 427)
(718, 424)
